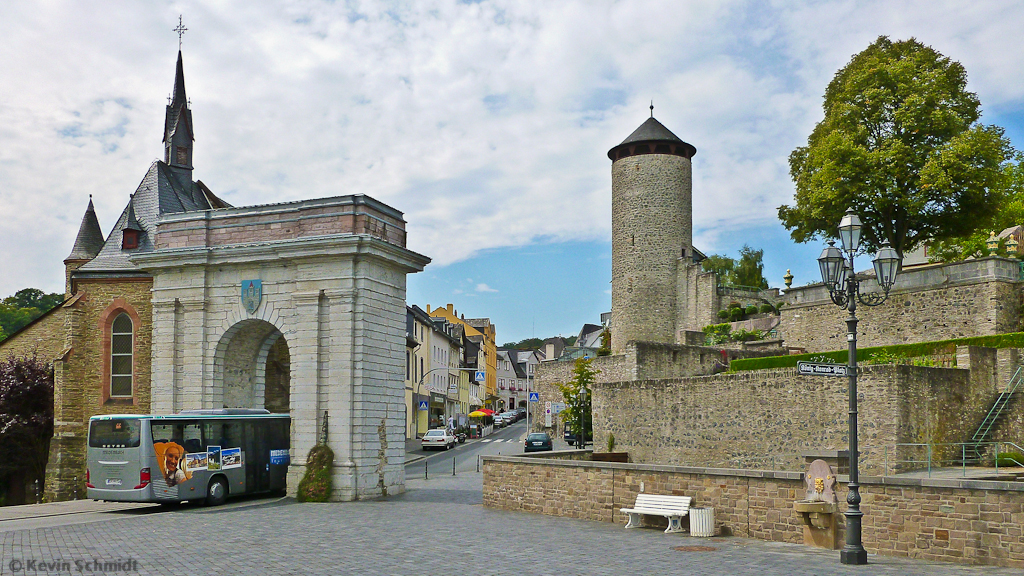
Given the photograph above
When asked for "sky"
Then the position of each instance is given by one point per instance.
(486, 123)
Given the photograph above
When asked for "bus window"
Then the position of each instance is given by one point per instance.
(114, 433)
(223, 433)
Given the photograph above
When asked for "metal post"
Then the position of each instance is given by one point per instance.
(453, 465)
(424, 469)
(929, 460)
(853, 552)
(963, 458)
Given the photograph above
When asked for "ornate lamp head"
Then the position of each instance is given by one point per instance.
(886, 264)
(831, 264)
(849, 231)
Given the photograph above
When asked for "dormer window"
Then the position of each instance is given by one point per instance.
(129, 239)
(181, 155)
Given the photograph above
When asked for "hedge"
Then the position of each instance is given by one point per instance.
(1011, 340)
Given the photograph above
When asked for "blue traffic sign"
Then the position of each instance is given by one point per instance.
(480, 376)
(534, 396)
(423, 404)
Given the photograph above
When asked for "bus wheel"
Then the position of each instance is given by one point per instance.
(217, 493)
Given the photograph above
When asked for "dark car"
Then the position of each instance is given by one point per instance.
(537, 442)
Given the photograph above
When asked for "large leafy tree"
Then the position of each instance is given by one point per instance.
(748, 271)
(900, 144)
(1011, 213)
(23, 307)
(26, 416)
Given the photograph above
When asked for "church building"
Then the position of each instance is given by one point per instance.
(191, 303)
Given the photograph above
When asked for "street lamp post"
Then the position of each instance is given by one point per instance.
(837, 272)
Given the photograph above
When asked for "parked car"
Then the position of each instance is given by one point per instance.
(537, 442)
(438, 438)
(499, 421)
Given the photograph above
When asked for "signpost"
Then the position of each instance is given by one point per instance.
(814, 369)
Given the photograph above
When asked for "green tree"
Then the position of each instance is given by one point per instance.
(525, 344)
(750, 269)
(1011, 213)
(721, 265)
(901, 145)
(25, 306)
(577, 395)
(26, 417)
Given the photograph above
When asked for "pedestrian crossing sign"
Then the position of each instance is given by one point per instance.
(534, 396)
(423, 404)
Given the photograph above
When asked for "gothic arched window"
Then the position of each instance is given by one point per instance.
(121, 347)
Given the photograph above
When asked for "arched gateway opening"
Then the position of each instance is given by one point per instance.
(252, 368)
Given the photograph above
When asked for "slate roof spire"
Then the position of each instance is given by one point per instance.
(178, 134)
(89, 241)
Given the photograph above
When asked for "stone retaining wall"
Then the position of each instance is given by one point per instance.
(940, 302)
(976, 522)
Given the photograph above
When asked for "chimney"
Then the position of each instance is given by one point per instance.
(428, 308)
(451, 309)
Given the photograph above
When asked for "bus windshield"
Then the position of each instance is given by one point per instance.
(114, 433)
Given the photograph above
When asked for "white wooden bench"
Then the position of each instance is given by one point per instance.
(671, 507)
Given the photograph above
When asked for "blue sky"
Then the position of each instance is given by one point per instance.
(486, 123)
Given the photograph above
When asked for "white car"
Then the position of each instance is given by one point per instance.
(439, 439)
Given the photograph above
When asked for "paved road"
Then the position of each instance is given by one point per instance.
(437, 527)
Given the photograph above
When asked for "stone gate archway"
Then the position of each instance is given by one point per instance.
(252, 367)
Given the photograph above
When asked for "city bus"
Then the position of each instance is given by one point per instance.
(195, 455)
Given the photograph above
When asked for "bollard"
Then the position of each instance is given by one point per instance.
(477, 462)
(424, 469)
(453, 465)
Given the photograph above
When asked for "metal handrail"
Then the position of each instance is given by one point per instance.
(997, 408)
(931, 462)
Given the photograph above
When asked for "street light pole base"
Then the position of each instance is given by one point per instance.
(856, 557)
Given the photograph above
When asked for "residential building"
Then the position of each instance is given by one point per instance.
(482, 332)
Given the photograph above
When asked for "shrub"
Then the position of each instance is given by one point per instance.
(735, 304)
(716, 334)
(736, 314)
(723, 314)
(747, 335)
(316, 484)
(1005, 459)
(611, 442)
(767, 308)
(751, 310)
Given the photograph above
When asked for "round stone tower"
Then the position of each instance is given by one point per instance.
(651, 233)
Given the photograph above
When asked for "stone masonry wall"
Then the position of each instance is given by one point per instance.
(975, 522)
(974, 298)
(78, 383)
(641, 360)
(311, 218)
(651, 238)
(43, 338)
(770, 418)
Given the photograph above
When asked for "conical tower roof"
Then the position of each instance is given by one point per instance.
(90, 240)
(651, 133)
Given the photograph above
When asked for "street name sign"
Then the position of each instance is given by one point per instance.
(813, 369)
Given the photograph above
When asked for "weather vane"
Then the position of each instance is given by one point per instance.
(180, 30)
(652, 108)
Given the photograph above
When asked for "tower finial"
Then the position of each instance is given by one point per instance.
(652, 108)
(180, 30)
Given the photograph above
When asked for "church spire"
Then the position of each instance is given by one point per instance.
(89, 241)
(178, 135)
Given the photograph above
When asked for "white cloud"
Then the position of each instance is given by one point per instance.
(484, 288)
(486, 123)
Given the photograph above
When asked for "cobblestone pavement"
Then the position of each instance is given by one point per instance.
(437, 527)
